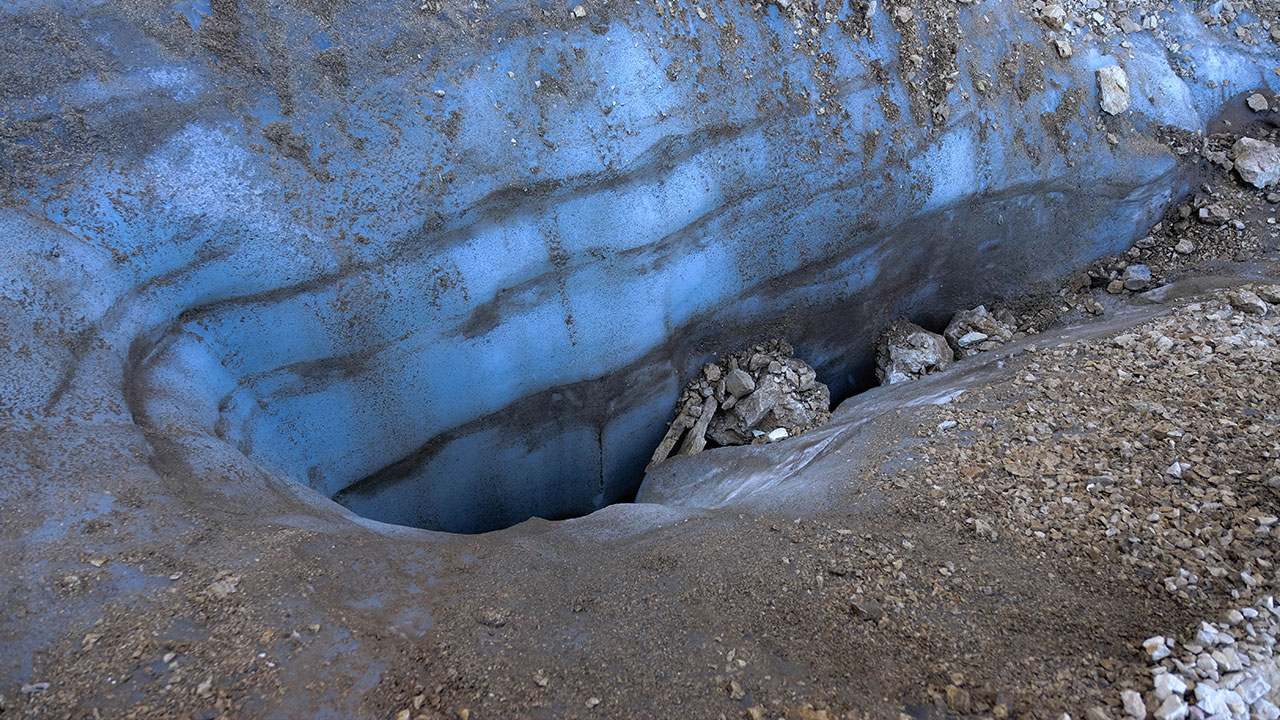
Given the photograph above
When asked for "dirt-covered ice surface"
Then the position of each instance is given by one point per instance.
(1002, 539)
(1001, 551)
(1006, 551)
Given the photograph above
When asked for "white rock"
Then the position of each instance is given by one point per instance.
(1054, 16)
(777, 434)
(1169, 684)
(1264, 709)
(1155, 647)
(1257, 162)
(1206, 667)
(1133, 705)
(1235, 704)
(907, 351)
(1228, 660)
(1258, 102)
(1252, 689)
(1208, 634)
(1113, 86)
(1211, 700)
(1173, 708)
(1185, 247)
(963, 332)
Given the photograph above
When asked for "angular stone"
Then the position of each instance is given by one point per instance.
(1247, 301)
(1173, 708)
(1136, 277)
(738, 383)
(696, 440)
(1133, 706)
(907, 351)
(969, 328)
(1257, 162)
(1156, 648)
(1169, 684)
(1113, 86)
(1054, 16)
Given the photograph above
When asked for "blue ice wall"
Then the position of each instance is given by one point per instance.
(450, 266)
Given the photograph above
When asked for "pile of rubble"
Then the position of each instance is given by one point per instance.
(1228, 670)
(759, 395)
(907, 351)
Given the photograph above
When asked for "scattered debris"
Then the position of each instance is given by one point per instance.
(1226, 671)
(759, 395)
(223, 586)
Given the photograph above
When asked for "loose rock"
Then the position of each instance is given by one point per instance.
(1054, 16)
(976, 330)
(1113, 85)
(1257, 162)
(907, 351)
(1136, 277)
(1133, 706)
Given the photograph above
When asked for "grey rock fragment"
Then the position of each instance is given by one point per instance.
(1054, 16)
(1258, 103)
(696, 441)
(972, 331)
(739, 383)
(1173, 708)
(1136, 277)
(1270, 293)
(1257, 162)
(1247, 301)
(1113, 86)
(1133, 706)
(907, 351)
